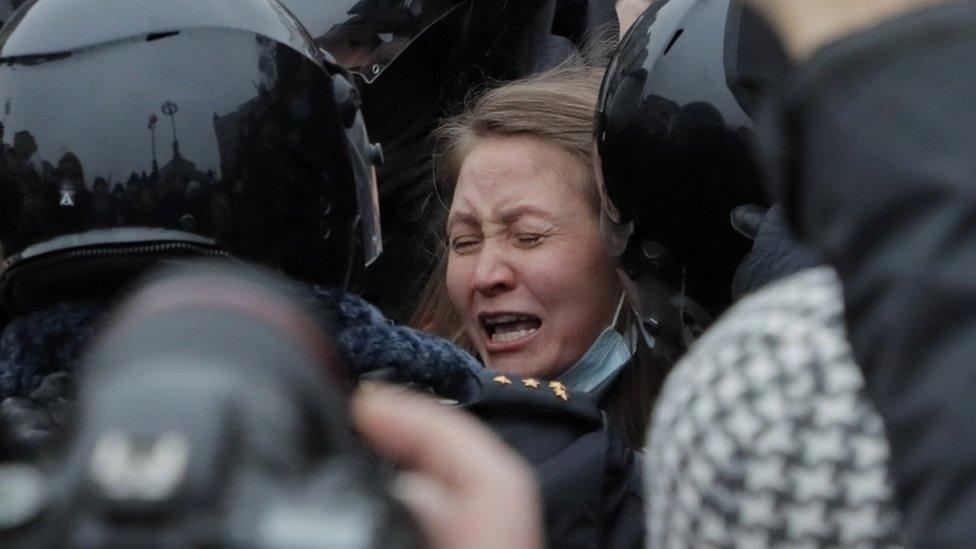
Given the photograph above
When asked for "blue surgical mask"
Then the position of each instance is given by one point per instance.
(604, 359)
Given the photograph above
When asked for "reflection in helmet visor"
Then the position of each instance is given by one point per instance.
(257, 161)
(365, 36)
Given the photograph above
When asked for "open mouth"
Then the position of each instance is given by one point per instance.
(507, 327)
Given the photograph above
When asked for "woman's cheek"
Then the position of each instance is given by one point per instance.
(553, 269)
(458, 281)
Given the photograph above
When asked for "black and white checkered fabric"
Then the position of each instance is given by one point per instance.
(762, 436)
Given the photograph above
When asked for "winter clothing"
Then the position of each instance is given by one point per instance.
(44, 342)
(762, 435)
(872, 148)
(775, 254)
(590, 478)
(38, 353)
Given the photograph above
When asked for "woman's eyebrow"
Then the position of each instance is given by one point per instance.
(513, 213)
(461, 218)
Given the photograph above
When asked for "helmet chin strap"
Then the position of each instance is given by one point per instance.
(619, 309)
(669, 321)
(694, 319)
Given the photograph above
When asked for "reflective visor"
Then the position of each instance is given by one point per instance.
(223, 134)
(141, 105)
(365, 36)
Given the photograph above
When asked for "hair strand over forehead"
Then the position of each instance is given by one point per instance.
(556, 106)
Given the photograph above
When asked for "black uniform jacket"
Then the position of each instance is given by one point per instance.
(873, 148)
(590, 478)
(588, 475)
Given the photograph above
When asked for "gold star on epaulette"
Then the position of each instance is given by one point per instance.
(502, 380)
(531, 383)
(560, 393)
(557, 386)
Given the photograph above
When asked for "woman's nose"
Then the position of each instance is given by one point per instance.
(493, 274)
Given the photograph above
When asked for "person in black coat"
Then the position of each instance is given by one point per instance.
(589, 477)
(288, 195)
(872, 149)
(761, 434)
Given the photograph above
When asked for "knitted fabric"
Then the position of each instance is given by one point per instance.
(762, 436)
(44, 342)
(49, 341)
(369, 342)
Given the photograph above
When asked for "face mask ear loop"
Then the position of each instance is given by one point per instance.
(629, 334)
(632, 334)
(619, 310)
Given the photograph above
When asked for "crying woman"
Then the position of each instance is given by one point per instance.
(524, 281)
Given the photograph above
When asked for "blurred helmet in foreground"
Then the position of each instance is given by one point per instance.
(137, 129)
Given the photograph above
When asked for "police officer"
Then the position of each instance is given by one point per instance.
(741, 421)
(164, 132)
(221, 131)
(674, 138)
(871, 145)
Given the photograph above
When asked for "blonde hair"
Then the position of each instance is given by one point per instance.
(557, 107)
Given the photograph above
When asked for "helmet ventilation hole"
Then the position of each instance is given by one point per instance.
(674, 39)
(160, 35)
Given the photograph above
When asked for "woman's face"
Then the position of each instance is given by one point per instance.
(527, 270)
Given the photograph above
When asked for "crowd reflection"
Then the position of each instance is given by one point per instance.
(249, 190)
(57, 198)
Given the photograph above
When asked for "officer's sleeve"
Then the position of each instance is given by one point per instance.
(874, 147)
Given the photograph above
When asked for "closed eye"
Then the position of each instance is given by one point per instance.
(464, 243)
(527, 240)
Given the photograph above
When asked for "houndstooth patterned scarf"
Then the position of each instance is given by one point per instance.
(763, 437)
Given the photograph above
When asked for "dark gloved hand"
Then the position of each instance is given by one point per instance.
(775, 253)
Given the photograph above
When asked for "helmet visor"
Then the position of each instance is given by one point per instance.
(223, 134)
(365, 36)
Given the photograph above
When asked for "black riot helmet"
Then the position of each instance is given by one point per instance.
(139, 129)
(416, 61)
(367, 36)
(674, 141)
(7, 8)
